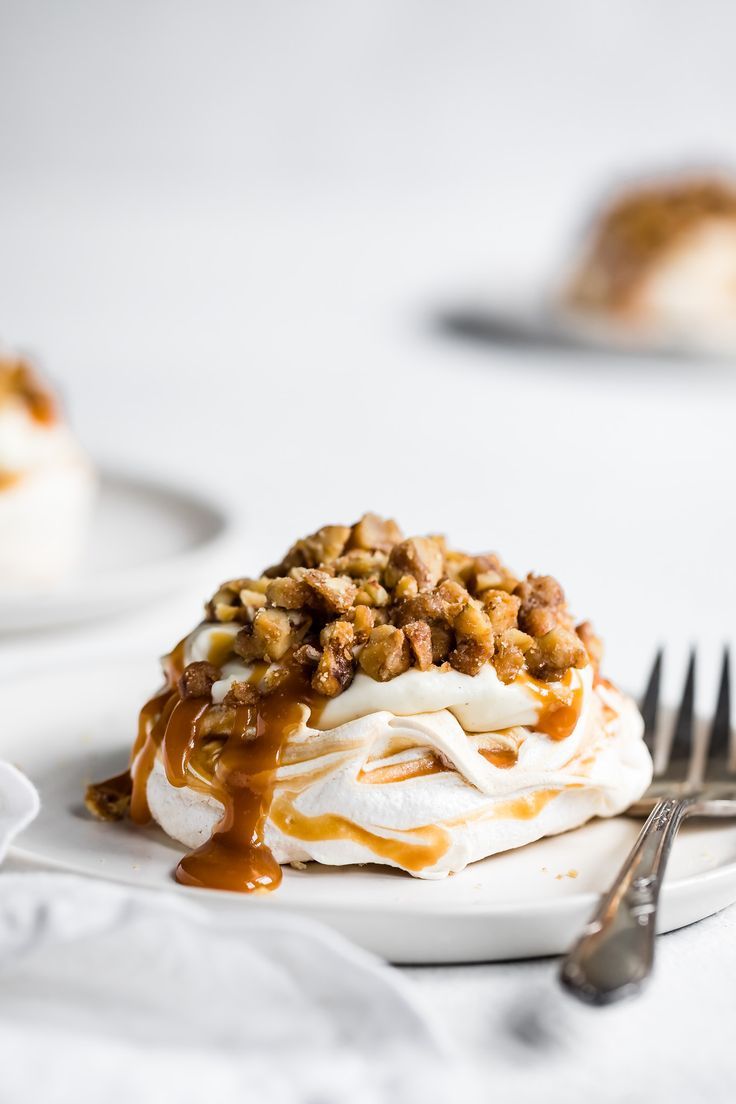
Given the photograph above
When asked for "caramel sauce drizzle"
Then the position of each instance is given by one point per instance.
(417, 849)
(558, 713)
(525, 807)
(235, 857)
(503, 757)
(419, 767)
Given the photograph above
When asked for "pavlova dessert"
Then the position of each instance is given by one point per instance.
(376, 699)
(660, 264)
(46, 483)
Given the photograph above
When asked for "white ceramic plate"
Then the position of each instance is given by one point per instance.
(67, 728)
(147, 540)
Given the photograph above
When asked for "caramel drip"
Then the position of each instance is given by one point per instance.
(558, 712)
(419, 767)
(180, 738)
(152, 722)
(417, 849)
(502, 757)
(236, 857)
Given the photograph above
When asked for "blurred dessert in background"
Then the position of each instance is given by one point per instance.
(372, 699)
(46, 482)
(660, 263)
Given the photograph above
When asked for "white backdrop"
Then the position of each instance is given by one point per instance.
(226, 227)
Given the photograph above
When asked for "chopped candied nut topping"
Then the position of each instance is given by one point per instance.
(419, 635)
(592, 643)
(109, 800)
(374, 534)
(198, 679)
(386, 654)
(552, 654)
(364, 598)
(541, 597)
(418, 556)
(335, 668)
(241, 693)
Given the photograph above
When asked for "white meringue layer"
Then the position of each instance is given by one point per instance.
(325, 807)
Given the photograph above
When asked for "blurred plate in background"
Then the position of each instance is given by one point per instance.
(527, 314)
(147, 541)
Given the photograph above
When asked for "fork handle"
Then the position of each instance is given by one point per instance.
(615, 954)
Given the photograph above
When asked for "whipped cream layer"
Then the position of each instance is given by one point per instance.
(46, 491)
(428, 772)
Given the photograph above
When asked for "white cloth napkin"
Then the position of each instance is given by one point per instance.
(113, 995)
(118, 995)
(19, 804)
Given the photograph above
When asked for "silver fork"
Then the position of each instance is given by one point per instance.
(615, 954)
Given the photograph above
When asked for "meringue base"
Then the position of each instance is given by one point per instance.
(327, 810)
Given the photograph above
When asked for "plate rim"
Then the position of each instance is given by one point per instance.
(92, 587)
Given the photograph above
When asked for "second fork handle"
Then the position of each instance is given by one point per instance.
(615, 954)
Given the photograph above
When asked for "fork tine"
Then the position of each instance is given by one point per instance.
(650, 702)
(720, 732)
(682, 737)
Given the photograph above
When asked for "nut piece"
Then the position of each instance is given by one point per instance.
(371, 593)
(425, 607)
(592, 643)
(484, 573)
(320, 548)
(332, 594)
(508, 656)
(419, 556)
(454, 598)
(552, 654)
(287, 593)
(364, 619)
(374, 533)
(442, 641)
(419, 635)
(361, 563)
(110, 800)
(274, 631)
(197, 679)
(227, 604)
(250, 602)
(307, 655)
(327, 543)
(407, 587)
(276, 674)
(336, 667)
(539, 592)
(458, 566)
(241, 693)
(474, 634)
(386, 654)
(502, 608)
